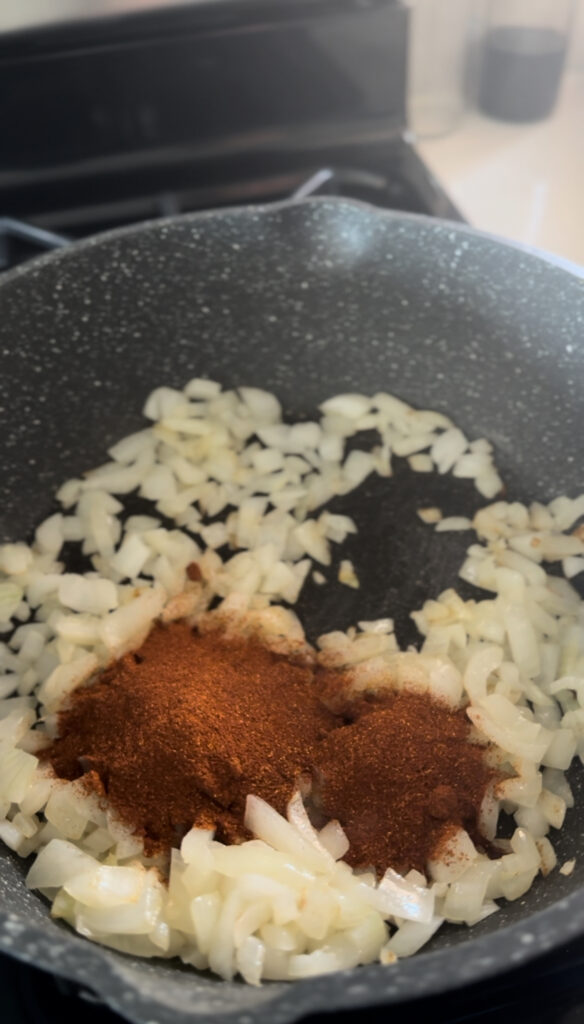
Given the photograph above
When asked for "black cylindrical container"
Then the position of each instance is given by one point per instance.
(523, 56)
(521, 72)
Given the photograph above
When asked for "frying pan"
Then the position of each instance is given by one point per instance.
(308, 300)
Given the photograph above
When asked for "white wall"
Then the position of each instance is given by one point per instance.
(576, 53)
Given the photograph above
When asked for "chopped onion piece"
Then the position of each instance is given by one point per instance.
(406, 900)
(411, 936)
(334, 840)
(267, 824)
(298, 817)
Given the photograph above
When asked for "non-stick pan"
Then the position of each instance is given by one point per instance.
(307, 300)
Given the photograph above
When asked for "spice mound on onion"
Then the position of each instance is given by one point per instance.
(177, 734)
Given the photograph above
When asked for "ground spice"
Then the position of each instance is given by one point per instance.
(178, 733)
(399, 776)
(182, 730)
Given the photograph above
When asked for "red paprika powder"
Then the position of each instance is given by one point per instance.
(178, 733)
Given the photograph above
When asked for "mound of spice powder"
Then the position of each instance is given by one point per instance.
(177, 734)
(400, 775)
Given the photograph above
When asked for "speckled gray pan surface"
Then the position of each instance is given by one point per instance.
(306, 300)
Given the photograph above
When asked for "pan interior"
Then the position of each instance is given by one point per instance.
(307, 300)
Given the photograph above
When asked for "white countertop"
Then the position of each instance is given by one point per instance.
(525, 182)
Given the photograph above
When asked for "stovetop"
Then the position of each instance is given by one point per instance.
(393, 178)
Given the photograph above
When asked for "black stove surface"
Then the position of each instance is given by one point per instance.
(389, 175)
(548, 991)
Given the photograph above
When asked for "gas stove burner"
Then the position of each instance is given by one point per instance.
(340, 182)
(405, 185)
(19, 240)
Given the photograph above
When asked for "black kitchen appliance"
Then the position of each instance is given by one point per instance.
(111, 121)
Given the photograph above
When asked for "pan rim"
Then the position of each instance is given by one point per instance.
(416, 978)
(551, 259)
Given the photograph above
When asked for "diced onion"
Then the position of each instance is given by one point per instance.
(285, 904)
